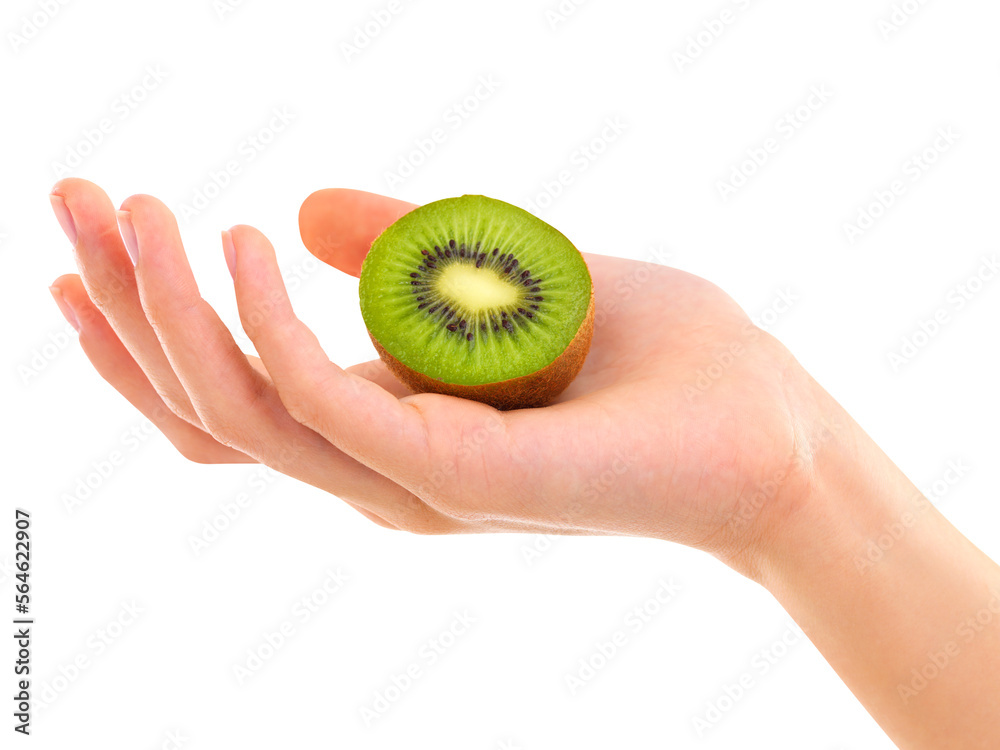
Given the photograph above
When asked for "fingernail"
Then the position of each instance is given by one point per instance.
(229, 250)
(64, 307)
(128, 235)
(64, 217)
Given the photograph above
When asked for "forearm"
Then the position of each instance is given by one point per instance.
(902, 606)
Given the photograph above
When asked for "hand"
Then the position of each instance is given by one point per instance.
(686, 423)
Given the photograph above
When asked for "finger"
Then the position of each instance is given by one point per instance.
(237, 405)
(356, 415)
(114, 363)
(233, 400)
(338, 225)
(85, 211)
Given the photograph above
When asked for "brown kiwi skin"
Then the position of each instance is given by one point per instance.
(527, 391)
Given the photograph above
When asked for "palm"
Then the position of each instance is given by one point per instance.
(638, 428)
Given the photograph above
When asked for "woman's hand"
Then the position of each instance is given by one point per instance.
(687, 422)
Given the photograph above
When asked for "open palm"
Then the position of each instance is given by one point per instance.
(680, 425)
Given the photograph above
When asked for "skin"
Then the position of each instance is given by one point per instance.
(705, 431)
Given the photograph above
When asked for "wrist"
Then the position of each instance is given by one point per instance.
(900, 604)
(836, 488)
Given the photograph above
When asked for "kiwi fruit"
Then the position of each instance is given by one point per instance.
(478, 298)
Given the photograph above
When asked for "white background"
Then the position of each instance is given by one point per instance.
(653, 188)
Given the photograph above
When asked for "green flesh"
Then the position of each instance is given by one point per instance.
(520, 343)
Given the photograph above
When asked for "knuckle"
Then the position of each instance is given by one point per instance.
(180, 407)
(237, 421)
(175, 399)
(302, 411)
(222, 429)
(163, 315)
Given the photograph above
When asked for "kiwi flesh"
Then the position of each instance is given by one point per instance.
(478, 298)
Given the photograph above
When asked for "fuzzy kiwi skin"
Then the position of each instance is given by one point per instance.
(535, 389)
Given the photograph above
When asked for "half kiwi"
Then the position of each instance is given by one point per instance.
(477, 298)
